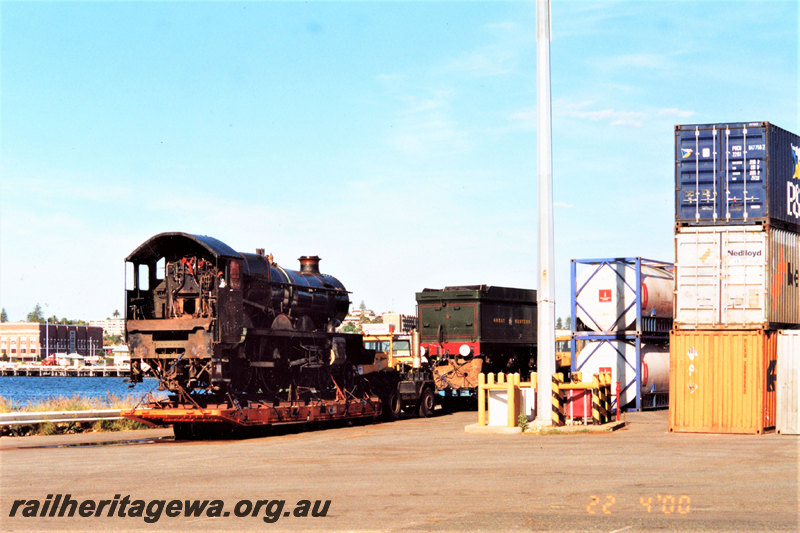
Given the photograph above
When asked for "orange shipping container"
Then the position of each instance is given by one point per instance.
(722, 381)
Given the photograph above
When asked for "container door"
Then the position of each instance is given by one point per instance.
(744, 158)
(698, 189)
(698, 278)
(744, 274)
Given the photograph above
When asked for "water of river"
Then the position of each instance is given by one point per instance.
(30, 389)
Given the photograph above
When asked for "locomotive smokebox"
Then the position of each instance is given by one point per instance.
(309, 264)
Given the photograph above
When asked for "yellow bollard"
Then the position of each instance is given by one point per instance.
(511, 393)
(481, 399)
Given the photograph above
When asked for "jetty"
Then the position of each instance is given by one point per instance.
(110, 371)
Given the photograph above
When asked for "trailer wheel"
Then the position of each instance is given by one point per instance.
(183, 431)
(426, 403)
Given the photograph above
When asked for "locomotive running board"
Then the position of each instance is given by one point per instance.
(260, 414)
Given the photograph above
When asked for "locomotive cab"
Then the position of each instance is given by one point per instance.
(178, 286)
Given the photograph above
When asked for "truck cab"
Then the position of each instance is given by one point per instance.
(400, 371)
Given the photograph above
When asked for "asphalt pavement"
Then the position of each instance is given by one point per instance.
(408, 475)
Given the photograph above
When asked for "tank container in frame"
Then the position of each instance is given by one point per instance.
(722, 381)
(622, 294)
(741, 277)
(788, 409)
(737, 173)
(619, 356)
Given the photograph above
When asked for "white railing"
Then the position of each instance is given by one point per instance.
(33, 417)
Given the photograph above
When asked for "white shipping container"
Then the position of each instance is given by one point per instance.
(740, 277)
(787, 421)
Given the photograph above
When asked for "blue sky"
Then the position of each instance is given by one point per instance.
(395, 140)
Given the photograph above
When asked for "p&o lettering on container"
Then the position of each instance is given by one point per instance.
(793, 199)
(792, 188)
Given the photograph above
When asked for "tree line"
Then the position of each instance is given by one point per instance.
(36, 315)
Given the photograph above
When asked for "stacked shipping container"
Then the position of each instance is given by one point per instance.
(737, 277)
(788, 383)
(737, 249)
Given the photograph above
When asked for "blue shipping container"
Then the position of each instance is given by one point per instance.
(737, 173)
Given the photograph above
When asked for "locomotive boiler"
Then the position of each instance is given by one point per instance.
(218, 326)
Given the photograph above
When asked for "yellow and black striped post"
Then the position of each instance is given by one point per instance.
(558, 400)
(597, 405)
(607, 396)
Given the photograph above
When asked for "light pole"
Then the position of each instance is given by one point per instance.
(545, 360)
(46, 333)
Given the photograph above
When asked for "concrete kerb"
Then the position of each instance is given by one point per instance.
(492, 430)
(539, 429)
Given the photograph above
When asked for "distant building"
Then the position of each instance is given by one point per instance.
(121, 355)
(111, 326)
(29, 340)
(357, 316)
(377, 329)
(401, 323)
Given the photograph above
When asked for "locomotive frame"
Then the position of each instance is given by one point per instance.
(230, 330)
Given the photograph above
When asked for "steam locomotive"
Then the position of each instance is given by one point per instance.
(218, 326)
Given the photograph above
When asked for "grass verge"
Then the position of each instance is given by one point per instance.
(70, 403)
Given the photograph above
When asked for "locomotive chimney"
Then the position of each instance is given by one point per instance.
(309, 264)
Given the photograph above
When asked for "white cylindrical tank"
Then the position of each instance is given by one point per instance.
(607, 293)
(620, 357)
